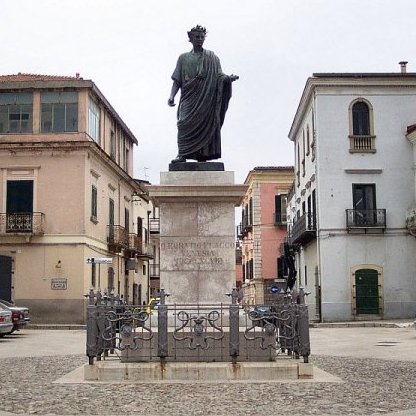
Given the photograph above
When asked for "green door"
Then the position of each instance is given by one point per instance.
(366, 291)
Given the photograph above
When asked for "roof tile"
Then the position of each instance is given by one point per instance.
(36, 77)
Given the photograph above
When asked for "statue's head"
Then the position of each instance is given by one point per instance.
(197, 30)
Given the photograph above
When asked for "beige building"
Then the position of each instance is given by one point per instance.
(67, 195)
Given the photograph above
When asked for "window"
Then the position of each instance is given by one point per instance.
(126, 219)
(19, 206)
(303, 152)
(308, 141)
(361, 127)
(282, 270)
(360, 119)
(113, 143)
(94, 121)
(111, 212)
(59, 112)
(16, 111)
(364, 204)
(247, 214)
(93, 203)
(280, 202)
(140, 227)
(248, 270)
(298, 165)
(122, 162)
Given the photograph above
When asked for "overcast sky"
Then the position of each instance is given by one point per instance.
(129, 48)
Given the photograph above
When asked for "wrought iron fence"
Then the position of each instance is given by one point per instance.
(197, 332)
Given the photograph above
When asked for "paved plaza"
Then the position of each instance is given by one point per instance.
(359, 371)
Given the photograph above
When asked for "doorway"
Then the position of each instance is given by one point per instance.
(6, 278)
(367, 292)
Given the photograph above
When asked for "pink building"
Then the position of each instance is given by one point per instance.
(262, 230)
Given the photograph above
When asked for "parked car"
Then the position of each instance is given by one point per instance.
(6, 324)
(20, 315)
(262, 315)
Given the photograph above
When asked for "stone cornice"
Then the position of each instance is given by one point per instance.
(197, 193)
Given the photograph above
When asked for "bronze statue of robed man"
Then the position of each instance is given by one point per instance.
(205, 93)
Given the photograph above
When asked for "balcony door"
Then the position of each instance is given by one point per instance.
(19, 206)
(19, 197)
(364, 203)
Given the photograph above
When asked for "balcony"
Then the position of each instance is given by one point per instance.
(246, 226)
(362, 144)
(154, 271)
(366, 219)
(28, 223)
(146, 251)
(135, 244)
(117, 238)
(154, 225)
(304, 229)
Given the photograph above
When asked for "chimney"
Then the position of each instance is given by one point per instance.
(77, 74)
(403, 66)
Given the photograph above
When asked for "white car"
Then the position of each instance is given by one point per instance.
(6, 324)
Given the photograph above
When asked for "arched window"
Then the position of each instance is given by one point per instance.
(360, 119)
(361, 135)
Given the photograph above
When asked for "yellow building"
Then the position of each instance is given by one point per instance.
(67, 195)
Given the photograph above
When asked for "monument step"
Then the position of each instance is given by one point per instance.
(115, 371)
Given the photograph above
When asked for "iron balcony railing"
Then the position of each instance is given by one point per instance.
(117, 237)
(245, 226)
(154, 225)
(22, 223)
(369, 218)
(304, 229)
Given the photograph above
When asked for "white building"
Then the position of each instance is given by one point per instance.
(353, 190)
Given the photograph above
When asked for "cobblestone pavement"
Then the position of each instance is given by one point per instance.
(369, 386)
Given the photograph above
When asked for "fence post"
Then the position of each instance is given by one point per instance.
(91, 328)
(234, 310)
(162, 327)
(303, 327)
(100, 314)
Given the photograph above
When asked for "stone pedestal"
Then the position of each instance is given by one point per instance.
(197, 234)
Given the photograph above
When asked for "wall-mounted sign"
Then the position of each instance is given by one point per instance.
(59, 283)
(99, 260)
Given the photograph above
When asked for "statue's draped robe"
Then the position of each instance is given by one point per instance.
(205, 93)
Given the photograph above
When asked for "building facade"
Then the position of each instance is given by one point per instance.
(67, 195)
(262, 231)
(354, 187)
